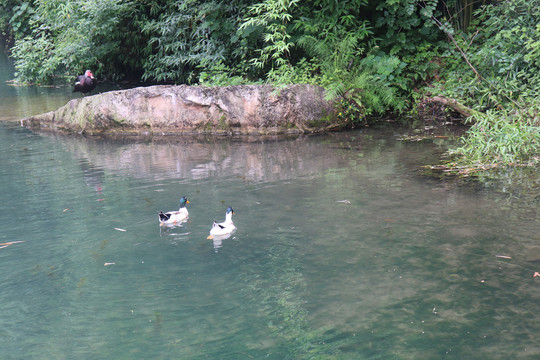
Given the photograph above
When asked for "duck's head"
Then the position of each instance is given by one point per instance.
(230, 210)
(89, 74)
(183, 201)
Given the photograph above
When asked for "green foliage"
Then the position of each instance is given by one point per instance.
(164, 40)
(424, 65)
(304, 71)
(404, 24)
(329, 22)
(365, 86)
(532, 48)
(405, 28)
(495, 70)
(505, 55)
(37, 60)
(68, 37)
(351, 112)
(220, 74)
(502, 137)
(274, 16)
(192, 36)
(19, 20)
(15, 19)
(503, 51)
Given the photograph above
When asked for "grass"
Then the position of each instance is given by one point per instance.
(500, 138)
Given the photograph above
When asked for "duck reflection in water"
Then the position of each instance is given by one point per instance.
(218, 241)
(93, 176)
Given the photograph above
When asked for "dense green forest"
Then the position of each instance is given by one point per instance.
(375, 57)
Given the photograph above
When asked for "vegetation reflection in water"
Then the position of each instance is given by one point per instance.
(343, 251)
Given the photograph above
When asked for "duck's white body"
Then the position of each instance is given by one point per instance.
(225, 228)
(175, 217)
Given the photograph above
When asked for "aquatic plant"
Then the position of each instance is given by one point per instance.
(281, 297)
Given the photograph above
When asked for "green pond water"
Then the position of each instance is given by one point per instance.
(345, 249)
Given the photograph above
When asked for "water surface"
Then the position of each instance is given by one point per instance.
(344, 250)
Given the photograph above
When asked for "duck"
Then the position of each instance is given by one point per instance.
(175, 217)
(85, 83)
(223, 229)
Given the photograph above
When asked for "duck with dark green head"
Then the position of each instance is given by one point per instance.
(173, 218)
(223, 229)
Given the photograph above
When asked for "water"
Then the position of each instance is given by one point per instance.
(17, 102)
(344, 250)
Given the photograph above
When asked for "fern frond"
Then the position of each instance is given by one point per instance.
(335, 90)
(314, 47)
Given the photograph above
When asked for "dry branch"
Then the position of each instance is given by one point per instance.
(452, 104)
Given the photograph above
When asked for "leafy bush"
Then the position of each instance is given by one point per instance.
(15, 19)
(193, 36)
(67, 38)
(32, 51)
(502, 137)
(220, 74)
(274, 16)
(403, 25)
(503, 52)
(363, 82)
(501, 79)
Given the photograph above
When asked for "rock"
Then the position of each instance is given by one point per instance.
(170, 109)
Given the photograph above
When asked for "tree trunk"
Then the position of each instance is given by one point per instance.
(452, 104)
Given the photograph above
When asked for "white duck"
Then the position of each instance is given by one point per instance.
(224, 229)
(175, 217)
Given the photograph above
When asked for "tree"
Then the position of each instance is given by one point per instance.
(192, 36)
(67, 37)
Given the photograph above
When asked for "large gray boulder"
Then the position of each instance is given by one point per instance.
(169, 109)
